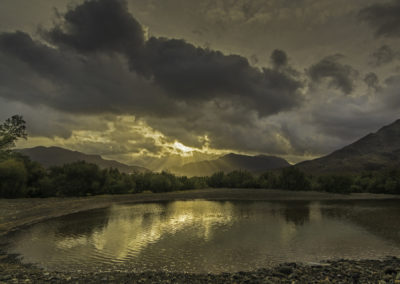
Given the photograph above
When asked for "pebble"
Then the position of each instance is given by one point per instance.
(285, 270)
(341, 271)
(390, 270)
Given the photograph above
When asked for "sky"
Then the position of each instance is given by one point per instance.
(161, 82)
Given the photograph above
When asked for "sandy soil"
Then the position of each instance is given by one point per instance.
(15, 213)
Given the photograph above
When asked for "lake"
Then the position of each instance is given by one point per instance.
(211, 236)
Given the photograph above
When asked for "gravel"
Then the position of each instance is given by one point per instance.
(338, 271)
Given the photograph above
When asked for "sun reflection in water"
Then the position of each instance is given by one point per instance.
(206, 236)
(130, 229)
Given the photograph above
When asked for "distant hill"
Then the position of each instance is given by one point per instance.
(231, 162)
(56, 156)
(376, 151)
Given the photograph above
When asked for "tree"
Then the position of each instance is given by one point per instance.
(217, 179)
(12, 129)
(76, 179)
(293, 179)
(13, 178)
(335, 183)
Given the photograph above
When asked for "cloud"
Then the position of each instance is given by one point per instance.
(35, 73)
(279, 58)
(383, 18)
(390, 94)
(372, 81)
(84, 73)
(383, 55)
(186, 72)
(184, 91)
(339, 76)
(98, 25)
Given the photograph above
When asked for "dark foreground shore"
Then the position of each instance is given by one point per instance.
(341, 271)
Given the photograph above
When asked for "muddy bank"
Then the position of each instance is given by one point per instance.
(15, 213)
(340, 271)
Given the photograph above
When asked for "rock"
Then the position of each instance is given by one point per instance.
(285, 269)
(388, 277)
(390, 270)
(5, 277)
(267, 281)
(278, 274)
(355, 275)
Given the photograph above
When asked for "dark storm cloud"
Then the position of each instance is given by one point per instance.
(42, 59)
(192, 73)
(88, 70)
(34, 73)
(99, 25)
(383, 55)
(340, 76)
(185, 72)
(279, 58)
(383, 18)
(372, 80)
(97, 59)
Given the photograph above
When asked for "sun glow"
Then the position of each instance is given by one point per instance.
(182, 148)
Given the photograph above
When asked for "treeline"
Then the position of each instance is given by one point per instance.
(291, 178)
(21, 177)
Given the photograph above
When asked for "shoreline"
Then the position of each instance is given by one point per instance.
(336, 271)
(18, 213)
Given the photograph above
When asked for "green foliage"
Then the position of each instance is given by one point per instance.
(217, 180)
(76, 179)
(12, 129)
(13, 177)
(335, 183)
(116, 183)
(240, 179)
(234, 179)
(268, 180)
(20, 177)
(292, 178)
(165, 182)
(387, 181)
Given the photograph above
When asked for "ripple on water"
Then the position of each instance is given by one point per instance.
(205, 236)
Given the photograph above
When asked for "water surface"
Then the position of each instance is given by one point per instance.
(207, 236)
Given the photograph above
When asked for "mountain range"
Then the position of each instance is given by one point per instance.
(231, 162)
(375, 151)
(56, 156)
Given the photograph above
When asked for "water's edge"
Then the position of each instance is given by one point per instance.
(19, 213)
(343, 271)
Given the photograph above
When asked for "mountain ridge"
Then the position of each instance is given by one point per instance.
(231, 162)
(57, 156)
(374, 151)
